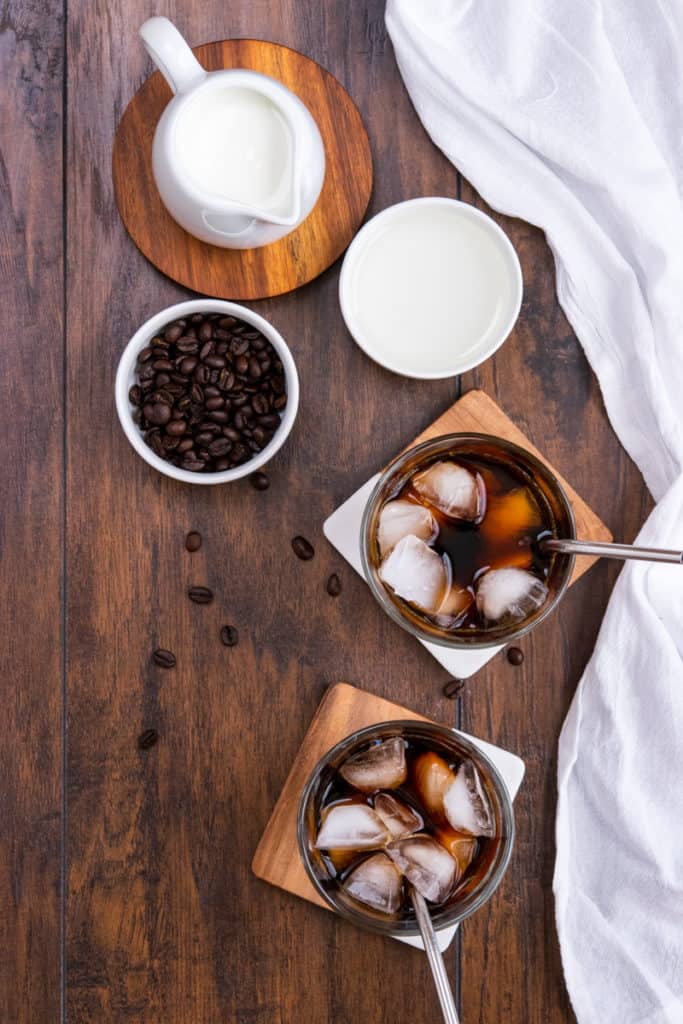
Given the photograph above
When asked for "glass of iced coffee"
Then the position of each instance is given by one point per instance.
(400, 804)
(452, 540)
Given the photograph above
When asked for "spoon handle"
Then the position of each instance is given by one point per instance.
(603, 550)
(436, 963)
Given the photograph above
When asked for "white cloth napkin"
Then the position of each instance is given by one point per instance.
(569, 114)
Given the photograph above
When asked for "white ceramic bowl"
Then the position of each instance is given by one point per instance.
(125, 378)
(430, 287)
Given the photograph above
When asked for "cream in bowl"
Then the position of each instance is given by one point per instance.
(430, 287)
(207, 391)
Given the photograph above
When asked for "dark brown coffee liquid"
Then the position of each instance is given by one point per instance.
(340, 864)
(517, 516)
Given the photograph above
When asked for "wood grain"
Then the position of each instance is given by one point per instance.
(476, 412)
(272, 269)
(164, 921)
(31, 427)
(343, 710)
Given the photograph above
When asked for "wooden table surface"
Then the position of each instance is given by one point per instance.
(125, 889)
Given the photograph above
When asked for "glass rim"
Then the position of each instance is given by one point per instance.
(381, 594)
(441, 918)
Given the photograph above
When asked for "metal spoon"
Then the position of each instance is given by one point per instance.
(443, 988)
(602, 550)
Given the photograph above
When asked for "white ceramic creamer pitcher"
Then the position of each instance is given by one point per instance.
(237, 157)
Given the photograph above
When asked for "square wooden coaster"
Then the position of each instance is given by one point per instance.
(474, 412)
(343, 710)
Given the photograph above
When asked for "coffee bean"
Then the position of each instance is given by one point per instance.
(219, 416)
(200, 595)
(163, 658)
(255, 370)
(302, 548)
(147, 739)
(159, 414)
(135, 395)
(334, 585)
(173, 333)
(176, 427)
(215, 362)
(515, 655)
(259, 481)
(260, 436)
(187, 346)
(270, 421)
(229, 636)
(206, 350)
(214, 403)
(280, 402)
(193, 465)
(453, 688)
(162, 364)
(205, 332)
(221, 446)
(193, 541)
(226, 322)
(259, 404)
(145, 355)
(221, 464)
(239, 453)
(187, 365)
(241, 364)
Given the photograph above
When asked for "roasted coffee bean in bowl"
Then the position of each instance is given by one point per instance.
(207, 391)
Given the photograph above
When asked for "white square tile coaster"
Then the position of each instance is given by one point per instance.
(342, 529)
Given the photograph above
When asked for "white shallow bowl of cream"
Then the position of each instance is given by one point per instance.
(430, 288)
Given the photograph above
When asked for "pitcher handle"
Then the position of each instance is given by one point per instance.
(171, 54)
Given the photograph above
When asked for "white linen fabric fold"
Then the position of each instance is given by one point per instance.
(569, 114)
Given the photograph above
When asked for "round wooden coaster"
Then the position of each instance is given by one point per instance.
(272, 269)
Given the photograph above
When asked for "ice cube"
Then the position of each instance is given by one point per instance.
(381, 766)
(401, 819)
(400, 518)
(376, 882)
(351, 826)
(462, 847)
(509, 594)
(466, 804)
(432, 777)
(417, 574)
(426, 864)
(454, 490)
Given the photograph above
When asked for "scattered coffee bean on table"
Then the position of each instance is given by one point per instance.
(200, 595)
(147, 739)
(229, 636)
(209, 392)
(302, 548)
(515, 656)
(193, 541)
(453, 688)
(334, 585)
(259, 481)
(166, 659)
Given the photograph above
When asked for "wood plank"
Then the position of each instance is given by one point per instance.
(298, 257)
(165, 920)
(510, 957)
(31, 423)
